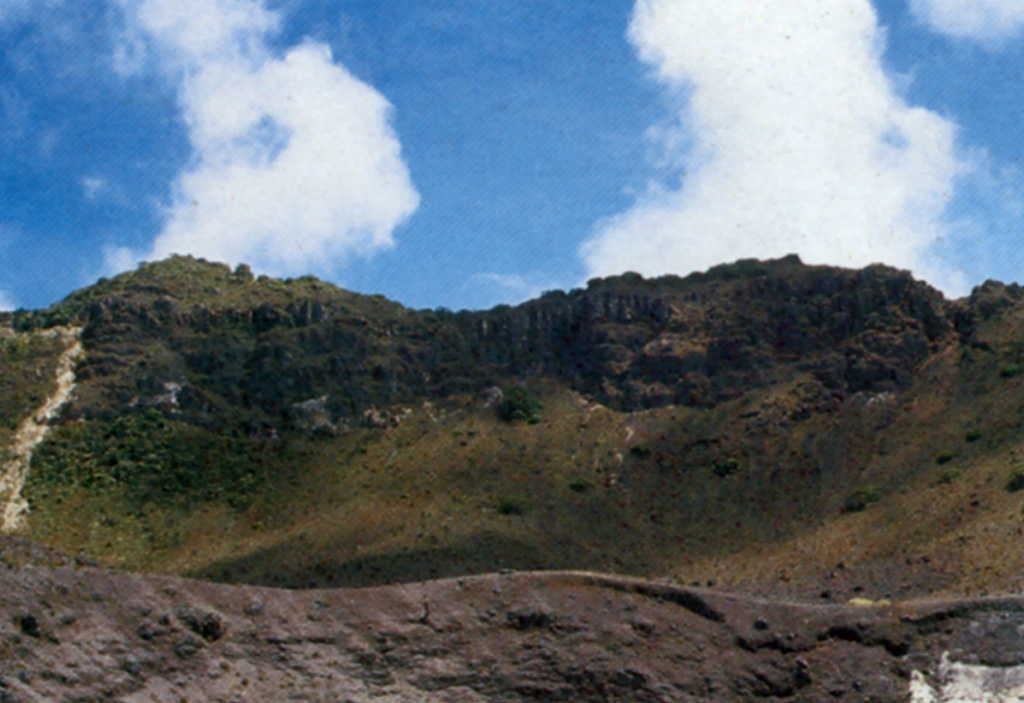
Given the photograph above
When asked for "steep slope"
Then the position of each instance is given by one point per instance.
(766, 426)
(235, 348)
(32, 431)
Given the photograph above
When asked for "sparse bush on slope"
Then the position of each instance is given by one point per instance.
(520, 404)
(861, 498)
(1016, 482)
(149, 459)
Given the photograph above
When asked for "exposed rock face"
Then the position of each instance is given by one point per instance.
(628, 342)
(700, 340)
(90, 635)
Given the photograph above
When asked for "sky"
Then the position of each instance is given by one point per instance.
(467, 153)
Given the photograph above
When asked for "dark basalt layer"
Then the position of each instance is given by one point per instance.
(236, 348)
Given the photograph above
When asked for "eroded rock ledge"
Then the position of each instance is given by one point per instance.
(90, 635)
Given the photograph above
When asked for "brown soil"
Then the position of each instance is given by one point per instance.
(92, 635)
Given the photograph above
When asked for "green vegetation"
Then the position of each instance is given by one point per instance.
(725, 468)
(1010, 370)
(580, 485)
(147, 458)
(520, 404)
(861, 498)
(31, 320)
(512, 506)
(27, 366)
(185, 282)
(744, 268)
(223, 481)
(1016, 481)
(640, 451)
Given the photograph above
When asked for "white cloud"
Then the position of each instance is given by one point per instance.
(295, 163)
(799, 144)
(972, 19)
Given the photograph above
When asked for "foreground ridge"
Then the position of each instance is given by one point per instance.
(77, 634)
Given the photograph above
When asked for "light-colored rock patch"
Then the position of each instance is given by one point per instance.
(968, 683)
(34, 429)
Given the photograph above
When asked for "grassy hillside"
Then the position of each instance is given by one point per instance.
(774, 428)
(27, 366)
(748, 495)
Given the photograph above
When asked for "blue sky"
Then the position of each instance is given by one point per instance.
(463, 153)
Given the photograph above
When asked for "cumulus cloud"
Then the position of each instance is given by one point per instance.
(972, 19)
(295, 163)
(795, 141)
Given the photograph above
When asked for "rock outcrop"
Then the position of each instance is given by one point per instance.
(628, 342)
(80, 635)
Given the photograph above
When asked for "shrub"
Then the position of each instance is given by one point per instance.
(861, 498)
(972, 436)
(744, 268)
(243, 274)
(512, 506)
(948, 476)
(944, 458)
(1016, 481)
(725, 468)
(580, 485)
(1011, 370)
(640, 451)
(520, 404)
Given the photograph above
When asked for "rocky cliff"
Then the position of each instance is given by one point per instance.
(230, 346)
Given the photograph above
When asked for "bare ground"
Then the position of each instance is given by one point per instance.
(86, 634)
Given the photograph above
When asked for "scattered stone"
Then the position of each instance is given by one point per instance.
(188, 646)
(29, 625)
(84, 560)
(530, 620)
(131, 665)
(207, 625)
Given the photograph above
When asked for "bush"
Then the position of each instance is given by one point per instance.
(744, 268)
(948, 476)
(580, 485)
(512, 506)
(972, 436)
(640, 451)
(520, 404)
(1011, 370)
(944, 458)
(725, 468)
(1016, 481)
(861, 499)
